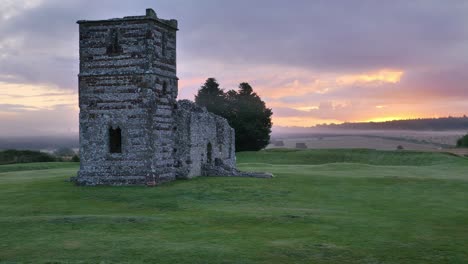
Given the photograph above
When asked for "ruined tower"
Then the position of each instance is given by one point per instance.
(127, 95)
(132, 129)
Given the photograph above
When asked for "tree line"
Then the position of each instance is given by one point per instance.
(444, 123)
(13, 156)
(244, 110)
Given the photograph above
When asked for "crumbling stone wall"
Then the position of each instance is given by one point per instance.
(201, 138)
(132, 129)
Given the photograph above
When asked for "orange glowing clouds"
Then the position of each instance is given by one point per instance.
(296, 88)
(389, 118)
(36, 97)
(386, 76)
(283, 89)
(306, 108)
(300, 121)
(276, 82)
(303, 82)
(197, 82)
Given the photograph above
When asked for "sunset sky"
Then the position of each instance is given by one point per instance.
(311, 61)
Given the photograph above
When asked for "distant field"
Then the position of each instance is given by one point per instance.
(381, 140)
(323, 206)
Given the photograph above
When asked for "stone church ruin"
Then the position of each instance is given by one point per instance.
(133, 131)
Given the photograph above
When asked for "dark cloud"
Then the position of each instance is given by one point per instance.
(40, 45)
(331, 35)
(323, 35)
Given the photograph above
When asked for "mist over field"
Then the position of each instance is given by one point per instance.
(414, 134)
(47, 143)
(419, 134)
(314, 138)
(374, 139)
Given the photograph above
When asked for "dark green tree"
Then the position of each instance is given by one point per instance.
(463, 142)
(212, 97)
(244, 110)
(250, 118)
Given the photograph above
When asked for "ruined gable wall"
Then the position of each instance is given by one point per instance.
(196, 130)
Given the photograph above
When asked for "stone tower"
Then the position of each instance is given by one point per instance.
(132, 129)
(127, 96)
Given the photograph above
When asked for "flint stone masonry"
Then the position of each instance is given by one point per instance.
(132, 129)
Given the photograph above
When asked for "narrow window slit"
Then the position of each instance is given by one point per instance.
(209, 153)
(115, 140)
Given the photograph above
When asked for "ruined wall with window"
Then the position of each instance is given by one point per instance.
(132, 129)
(201, 138)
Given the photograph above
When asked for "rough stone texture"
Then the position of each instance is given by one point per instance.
(132, 129)
(200, 138)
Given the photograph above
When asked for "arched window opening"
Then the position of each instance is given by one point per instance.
(115, 140)
(209, 153)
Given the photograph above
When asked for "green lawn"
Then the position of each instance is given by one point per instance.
(323, 206)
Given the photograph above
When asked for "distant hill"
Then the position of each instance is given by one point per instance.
(39, 142)
(434, 124)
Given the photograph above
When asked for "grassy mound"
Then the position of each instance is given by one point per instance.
(326, 213)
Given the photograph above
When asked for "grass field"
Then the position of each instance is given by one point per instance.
(381, 140)
(323, 206)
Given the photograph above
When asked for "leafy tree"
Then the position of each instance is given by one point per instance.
(212, 97)
(250, 118)
(463, 142)
(244, 110)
